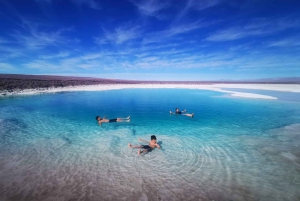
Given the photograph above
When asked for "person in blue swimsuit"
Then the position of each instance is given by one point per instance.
(104, 120)
(177, 111)
(146, 148)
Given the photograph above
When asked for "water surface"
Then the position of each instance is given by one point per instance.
(51, 147)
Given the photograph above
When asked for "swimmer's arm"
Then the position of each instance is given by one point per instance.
(157, 145)
(143, 140)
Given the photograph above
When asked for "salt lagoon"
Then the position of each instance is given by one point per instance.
(243, 147)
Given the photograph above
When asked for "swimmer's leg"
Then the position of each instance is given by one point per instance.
(189, 115)
(130, 146)
(123, 119)
(142, 152)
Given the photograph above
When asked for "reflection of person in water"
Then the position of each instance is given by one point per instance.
(177, 111)
(151, 145)
(104, 120)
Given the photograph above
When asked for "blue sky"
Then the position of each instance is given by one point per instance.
(151, 39)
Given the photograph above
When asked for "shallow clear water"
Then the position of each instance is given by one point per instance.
(51, 147)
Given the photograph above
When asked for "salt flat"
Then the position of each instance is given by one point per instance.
(213, 87)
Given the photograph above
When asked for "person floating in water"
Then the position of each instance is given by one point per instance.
(104, 120)
(145, 148)
(177, 111)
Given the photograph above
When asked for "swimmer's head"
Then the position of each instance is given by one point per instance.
(153, 137)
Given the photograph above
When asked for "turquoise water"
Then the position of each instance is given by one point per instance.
(51, 147)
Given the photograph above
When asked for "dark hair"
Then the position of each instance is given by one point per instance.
(153, 137)
(97, 117)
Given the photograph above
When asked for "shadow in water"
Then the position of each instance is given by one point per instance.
(160, 144)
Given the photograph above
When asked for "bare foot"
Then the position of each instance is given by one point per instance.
(128, 117)
(129, 145)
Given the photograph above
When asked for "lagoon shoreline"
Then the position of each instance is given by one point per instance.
(294, 88)
(19, 84)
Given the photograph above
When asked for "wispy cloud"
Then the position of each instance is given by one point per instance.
(8, 51)
(90, 3)
(194, 5)
(150, 7)
(287, 42)
(174, 30)
(204, 4)
(3, 40)
(184, 28)
(63, 54)
(42, 65)
(38, 39)
(136, 40)
(6, 67)
(176, 60)
(35, 35)
(184, 11)
(92, 56)
(257, 27)
(120, 35)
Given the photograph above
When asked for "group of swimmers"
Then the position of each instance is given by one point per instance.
(151, 144)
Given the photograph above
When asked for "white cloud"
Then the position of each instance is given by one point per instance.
(42, 65)
(38, 39)
(184, 28)
(92, 56)
(230, 34)
(174, 60)
(9, 51)
(204, 4)
(34, 37)
(3, 41)
(6, 67)
(288, 42)
(256, 27)
(62, 54)
(194, 5)
(86, 66)
(120, 35)
(174, 30)
(150, 7)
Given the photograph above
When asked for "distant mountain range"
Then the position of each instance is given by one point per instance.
(19, 81)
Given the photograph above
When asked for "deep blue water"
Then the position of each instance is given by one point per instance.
(232, 149)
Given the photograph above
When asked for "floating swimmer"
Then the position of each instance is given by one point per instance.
(104, 120)
(146, 148)
(177, 111)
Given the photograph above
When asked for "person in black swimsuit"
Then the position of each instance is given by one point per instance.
(146, 148)
(104, 120)
(177, 111)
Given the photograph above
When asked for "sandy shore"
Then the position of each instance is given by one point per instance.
(213, 87)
